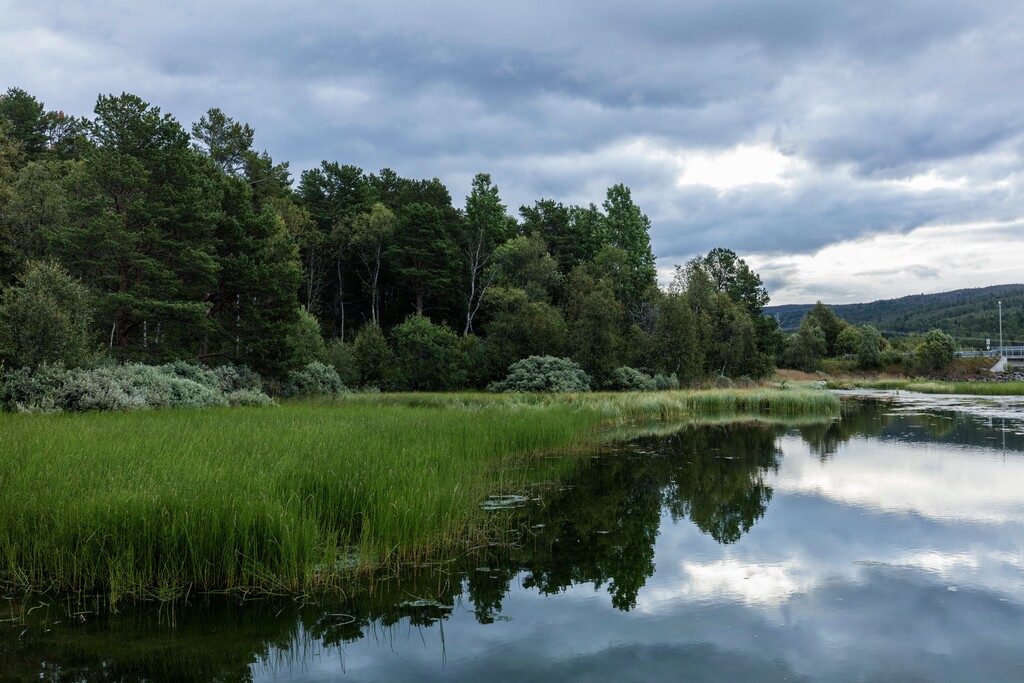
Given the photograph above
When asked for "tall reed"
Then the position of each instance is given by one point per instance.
(292, 498)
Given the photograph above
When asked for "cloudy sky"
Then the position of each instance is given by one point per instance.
(849, 151)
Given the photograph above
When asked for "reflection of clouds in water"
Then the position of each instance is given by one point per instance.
(932, 480)
(729, 579)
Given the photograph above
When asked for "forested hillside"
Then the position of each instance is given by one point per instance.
(127, 237)
(969, 315)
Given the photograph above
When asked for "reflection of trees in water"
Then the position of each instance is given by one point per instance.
(601, 529)
(140, 645)
(885, 418)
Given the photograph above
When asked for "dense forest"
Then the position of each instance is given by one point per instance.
(127, 238)
(970, 315)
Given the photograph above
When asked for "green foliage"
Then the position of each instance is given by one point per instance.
(32, 390)
(52, 388)
(806, 348)
(307, 344)
(341, 356)
(518, 327)
(829, 323)
(732, 276)
(371, 233)
(594, 317)
(132, 386)
(631, 379)
(316, 379)
(227, 142)
(234, 378)
(429, 357)
(969, 314)
(545, 374)
(196, 248)
(45, 318)
(424, 254)
(486, 226)
(143, 234)
(573, 234)
(678, 351)
(869, 346)
(254, 306)
(39, 133)
(524, 263)
(935, 351)
(627, 228)
(249, 397)
(848, 341)
(376, 360)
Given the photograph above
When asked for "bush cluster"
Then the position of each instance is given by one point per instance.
(53, 388)
(543, 374)
(631, 379)
(316, 379)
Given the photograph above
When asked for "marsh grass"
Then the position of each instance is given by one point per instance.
(295, 498)
(926, 387)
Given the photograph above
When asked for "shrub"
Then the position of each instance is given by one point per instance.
(200, 374)
(935, 351)
(429, 357)
(316, 379)
(543, 374)
(51, 388)
(25, 390)
(869, 348)
(375, 358)
(631, 379)
(45, 318)
(889, 357)
(249, 397)
(665, 382)
(232, 378)
(342, 357)
(124, 387)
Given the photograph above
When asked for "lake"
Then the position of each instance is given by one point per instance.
(886, 546)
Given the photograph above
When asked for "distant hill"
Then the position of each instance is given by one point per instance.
(969, 315)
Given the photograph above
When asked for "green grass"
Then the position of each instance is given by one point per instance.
(152, 504)
(932, 387)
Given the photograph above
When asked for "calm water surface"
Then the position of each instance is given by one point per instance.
(887, 546)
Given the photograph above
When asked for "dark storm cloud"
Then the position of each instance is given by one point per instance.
(563, 99)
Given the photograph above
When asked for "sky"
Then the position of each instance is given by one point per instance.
(848, 151)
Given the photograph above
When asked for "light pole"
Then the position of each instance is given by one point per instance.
(1000, 329)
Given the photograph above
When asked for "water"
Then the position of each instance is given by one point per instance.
(884, 547)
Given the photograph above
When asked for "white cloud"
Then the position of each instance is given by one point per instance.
(739, 166)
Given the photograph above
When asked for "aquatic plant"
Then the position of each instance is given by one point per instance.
(159, 503)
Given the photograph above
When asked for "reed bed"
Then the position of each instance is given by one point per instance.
(154, 504)
(936, 387)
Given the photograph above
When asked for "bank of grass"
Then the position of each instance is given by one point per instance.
(154, 504)
(934, 387)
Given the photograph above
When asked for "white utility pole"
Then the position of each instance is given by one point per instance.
(1000, 328)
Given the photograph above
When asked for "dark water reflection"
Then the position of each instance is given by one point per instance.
(885, 546)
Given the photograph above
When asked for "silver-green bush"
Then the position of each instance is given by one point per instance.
(52, 388)
(543, 374)
(249, 397)
(313, 380)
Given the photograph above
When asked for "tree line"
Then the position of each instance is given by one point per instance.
(125, 237)
(823, 335)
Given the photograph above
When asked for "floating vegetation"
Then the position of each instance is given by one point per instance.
(507, 502)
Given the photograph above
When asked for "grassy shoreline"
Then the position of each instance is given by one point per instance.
(154, 504)
(933, 386)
